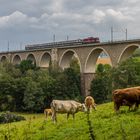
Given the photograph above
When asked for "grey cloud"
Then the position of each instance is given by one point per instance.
(37, 20)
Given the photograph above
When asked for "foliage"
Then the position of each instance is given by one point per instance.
(33, 97)
(7, 87)
(136, 53)
(10, 117)
(127, 74)
(74, 64)
(27, 88)
(25, 65)
(67, 85)
(54, 69)
(101, 84)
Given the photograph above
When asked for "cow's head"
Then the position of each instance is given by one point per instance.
(117, 96)
(82, 108)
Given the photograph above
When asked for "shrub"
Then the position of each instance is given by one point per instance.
(10, 117)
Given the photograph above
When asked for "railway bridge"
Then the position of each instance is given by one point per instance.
(87, 55)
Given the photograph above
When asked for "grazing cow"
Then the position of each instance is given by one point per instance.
(90, 103)
(47, 112)
(66, 106)
(127, 96)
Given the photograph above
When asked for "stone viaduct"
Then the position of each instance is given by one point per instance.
(87, 55)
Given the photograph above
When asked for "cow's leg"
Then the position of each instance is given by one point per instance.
(131, 107)
(116, 107)
(54, 119)
(136, 106)
(52, 116)
(94, 107)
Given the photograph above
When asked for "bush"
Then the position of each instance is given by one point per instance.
(10, 117)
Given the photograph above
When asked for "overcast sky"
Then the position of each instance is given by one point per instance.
(35, 21)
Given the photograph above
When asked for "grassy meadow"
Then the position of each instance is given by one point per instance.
(106, 125)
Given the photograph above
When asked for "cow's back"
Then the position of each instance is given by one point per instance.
(64, 106)
(130, 94)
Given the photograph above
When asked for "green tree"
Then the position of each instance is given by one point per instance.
(127, 74)
(100, 68)
(7, 88)
(101, 86)
(33, 97)
(25, 65)
(74, 64)
(54, 69)
(24, 87)
(136, 53)
(48, 85)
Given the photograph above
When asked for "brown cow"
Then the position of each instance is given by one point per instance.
(47, 112)
(127, 96)
(90, 103)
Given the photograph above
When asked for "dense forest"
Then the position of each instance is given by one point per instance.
(25, 87)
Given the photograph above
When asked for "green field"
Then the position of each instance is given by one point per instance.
(106, 125)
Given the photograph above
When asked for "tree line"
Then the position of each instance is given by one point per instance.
(26, 87)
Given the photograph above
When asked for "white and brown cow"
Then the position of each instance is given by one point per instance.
(66, 106)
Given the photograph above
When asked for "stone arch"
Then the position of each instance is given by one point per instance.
(31, 57)
(16, 59)
(45, 60)
(92, 59)
(3, 58)
(67, 57)
(127, 52)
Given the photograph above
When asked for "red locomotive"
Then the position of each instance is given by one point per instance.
(91, 40)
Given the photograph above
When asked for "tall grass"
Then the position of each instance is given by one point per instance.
(102, 124)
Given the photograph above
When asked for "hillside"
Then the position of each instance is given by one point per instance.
(106, 125)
